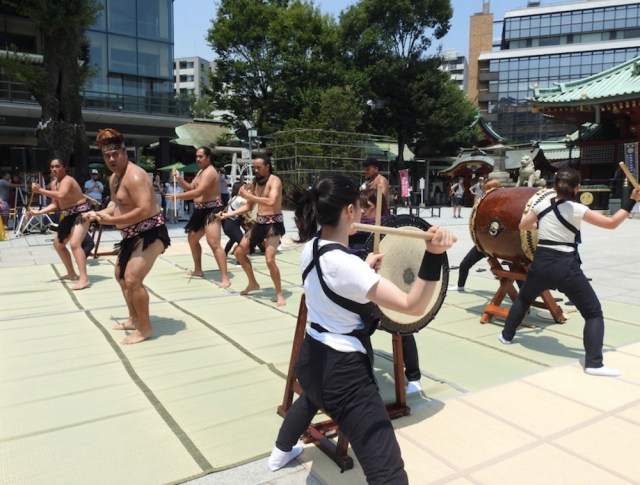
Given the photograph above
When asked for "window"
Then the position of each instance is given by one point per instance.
(121, 17)
(154, 59)
(154, 19)
(122, 54)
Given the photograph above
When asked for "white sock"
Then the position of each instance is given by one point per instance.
(602, 371)
(280, 458)
(413, 387)
(503, 340)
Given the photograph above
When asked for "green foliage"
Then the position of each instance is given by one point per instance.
(275, 58)
(446, 115)
(386, 51)
(298, 70)
(197, 107)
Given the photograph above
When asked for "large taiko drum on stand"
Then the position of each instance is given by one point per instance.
(495, 219)
(401, 263)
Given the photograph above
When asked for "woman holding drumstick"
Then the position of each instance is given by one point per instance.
(334, 366)
(556, 264)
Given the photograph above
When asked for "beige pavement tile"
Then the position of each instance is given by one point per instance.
(420, 465)
(536, 410)
(632, 414)
(612, 443)
(601, 393)
(462, 436)
(633, 349)
(545, 464)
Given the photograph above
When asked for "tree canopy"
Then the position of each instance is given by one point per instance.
(387, 51)
(275, 58)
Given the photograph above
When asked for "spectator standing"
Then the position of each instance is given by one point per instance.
(477, 189)
(457, 192)
(94, 188)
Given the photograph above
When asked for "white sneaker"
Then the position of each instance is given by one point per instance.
(504, 340)
(603, 371)
(414, 387)
(280, 458)
(455, 288)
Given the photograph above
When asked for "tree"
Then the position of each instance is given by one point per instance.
(198, 107)
(275, 58)
(387, 53)
(446, 115)
(57, 83)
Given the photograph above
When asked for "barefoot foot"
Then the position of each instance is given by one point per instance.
(128, 325)
(135, 337)
(81, 284)
(251, 287)
(195, 274)
(226, 283)
(70, 277)
(280, 299)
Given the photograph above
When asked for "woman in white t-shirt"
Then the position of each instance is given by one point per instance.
(232, 218)
(556, 264)
(334, 365)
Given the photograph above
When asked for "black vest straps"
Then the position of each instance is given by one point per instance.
(554, 207)
(364, 310)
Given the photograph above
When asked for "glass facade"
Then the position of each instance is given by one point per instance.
(132, 53)
(600, 33)
(576, 26)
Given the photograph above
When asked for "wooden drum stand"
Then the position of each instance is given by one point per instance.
(517, 272)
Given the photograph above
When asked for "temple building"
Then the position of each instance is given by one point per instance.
(606, 108)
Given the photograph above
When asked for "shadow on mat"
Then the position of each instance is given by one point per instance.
(164, 326)
(547, 345)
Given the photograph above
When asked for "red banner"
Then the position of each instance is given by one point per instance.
(404, 182)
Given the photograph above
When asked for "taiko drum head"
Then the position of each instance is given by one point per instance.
(401, 263)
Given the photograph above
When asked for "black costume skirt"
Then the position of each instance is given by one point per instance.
(126, 246)
(260, 232)
(201, 218)
(66, 224)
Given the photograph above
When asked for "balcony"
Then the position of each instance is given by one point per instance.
(165, 105)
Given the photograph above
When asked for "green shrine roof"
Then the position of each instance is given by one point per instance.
(619, 83)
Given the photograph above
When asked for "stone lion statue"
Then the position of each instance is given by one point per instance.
(528, 175)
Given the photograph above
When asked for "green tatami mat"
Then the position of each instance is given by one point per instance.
(78, 407)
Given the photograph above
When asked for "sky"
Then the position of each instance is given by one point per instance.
(192, 20)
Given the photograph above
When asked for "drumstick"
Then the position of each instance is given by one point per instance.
(30, 199)
(394, 231)
(378, 220)
(629, 175)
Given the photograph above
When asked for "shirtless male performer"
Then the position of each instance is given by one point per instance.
(373, 178)
(266, 191)
(207, 202)
(144, 236)
(66, 195)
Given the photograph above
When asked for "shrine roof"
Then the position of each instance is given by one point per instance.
(618, 83)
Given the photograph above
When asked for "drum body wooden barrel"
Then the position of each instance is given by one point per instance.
(495, 219)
